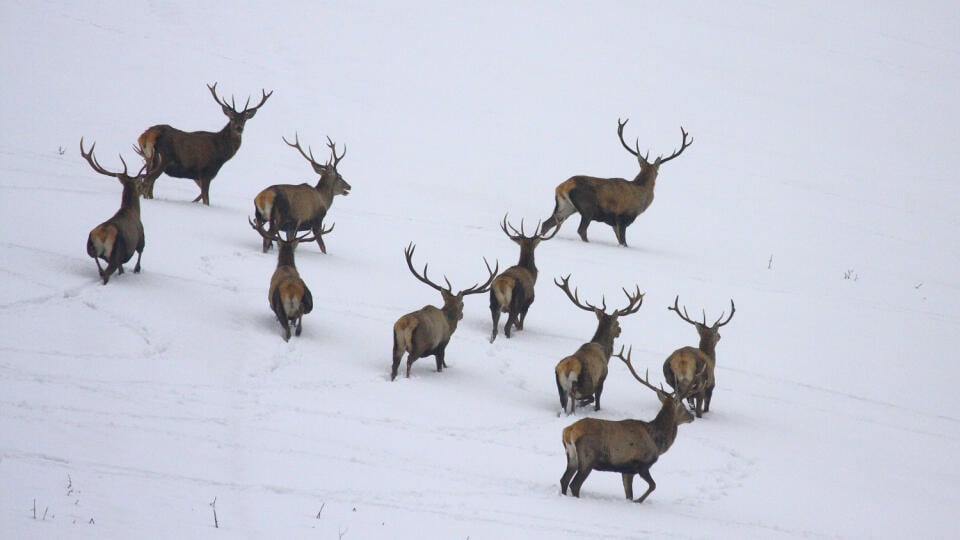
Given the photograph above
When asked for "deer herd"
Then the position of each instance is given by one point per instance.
(288, 215)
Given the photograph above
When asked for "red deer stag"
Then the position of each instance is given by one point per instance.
(680, 367)
(116, 239)
(288, 295)
(614, 201)
(427, 331)
(629, 447)
(288, 206)
(512, 291)
(580, 376)
(196, 155)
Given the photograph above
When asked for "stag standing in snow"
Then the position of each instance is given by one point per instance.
(629, 447)
(680, 366)
(614, 201)
(196, 155)
(289, 297)
(117, 239)
(302, 207)
(580, 376)
(427, 331)
(512, 291)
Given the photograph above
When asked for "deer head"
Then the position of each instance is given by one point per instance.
(709, 334)
(682, 414)
(238, 118)
(608, 327)
(328, 171)
(451, 300)
(648, 169)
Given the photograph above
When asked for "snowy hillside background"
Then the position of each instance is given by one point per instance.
(820, 194)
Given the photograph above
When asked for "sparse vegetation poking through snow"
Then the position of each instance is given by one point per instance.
(213, 506)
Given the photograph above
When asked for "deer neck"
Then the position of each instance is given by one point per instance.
(285, 255)
(647, 177)
(604, 337)
(229, 140)
(527, 260)
(130, 199)
(709, 348)
(664, 427)
(452, 314)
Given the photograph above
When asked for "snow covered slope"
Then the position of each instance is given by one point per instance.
(820, 194)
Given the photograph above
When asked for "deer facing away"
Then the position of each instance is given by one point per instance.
(512, 291)
(580, 376)
(196, 155)
(614, 201)
(289, 207)
(629, 447)
(680, 367)
(427, 331)
(289, 297)
(117, 239)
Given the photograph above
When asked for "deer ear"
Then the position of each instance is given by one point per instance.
(227, 111)
(249, 114)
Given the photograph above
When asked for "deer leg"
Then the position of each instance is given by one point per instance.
(699, 405)
(286, 328)
(582, 229)
(441, 363)
(628, 484)
(410, 360)
(523, 313)
(136, 269)
(620, 230)
(111, 268)
(651, 485)
(582, 474)
(397, 356)
(596, 401)
(316, 231)
(568, 474)
(146, 186)
(99, 268)
(495, 315)
(511, 322)
(709, 395)
(299, 326)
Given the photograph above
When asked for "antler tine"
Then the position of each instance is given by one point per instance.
(333, 150)
(296, 144)
(408, 254)
(574, 297)
(683, 315)
(645, 380)
(733, 309)
(477, 288)
(263, 233)
(620, 125)
(263, 100)
(92, 160)
(683, 146)
(634, 302)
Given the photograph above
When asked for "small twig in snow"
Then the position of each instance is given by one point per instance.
(343, 532)
(770, 263)
(216, 523)
(322, 506)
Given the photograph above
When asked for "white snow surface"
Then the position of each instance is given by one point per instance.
(820, 194)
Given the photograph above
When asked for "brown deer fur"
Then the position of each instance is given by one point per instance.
(580, 376)
(614, 201)
(427, 331)
(117, 239)
(512, 291)
(629, 447)
(681, 367)
(288, 206)
(196, 155)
